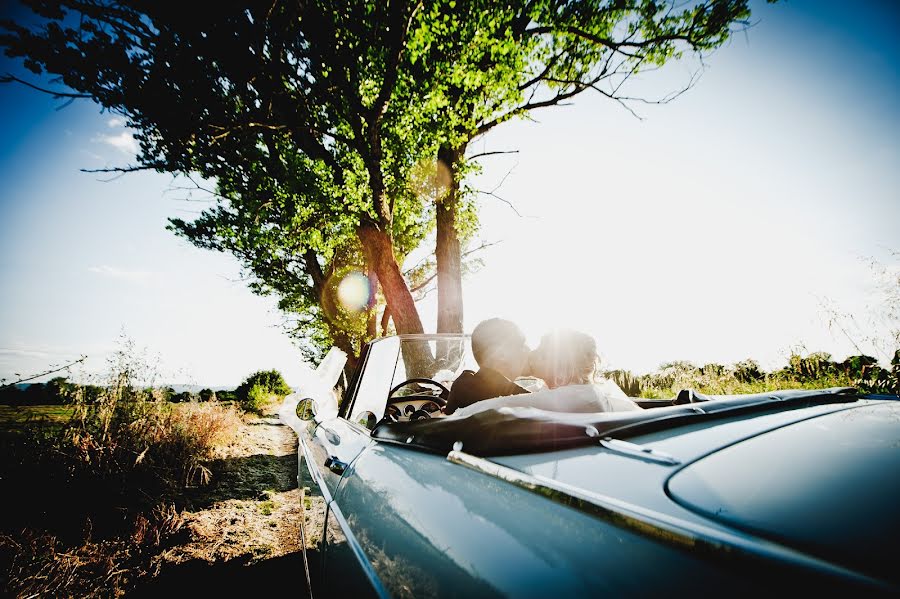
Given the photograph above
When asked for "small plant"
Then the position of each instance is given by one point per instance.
(256, 399)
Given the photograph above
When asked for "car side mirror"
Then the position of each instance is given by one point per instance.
(366, 420)
(306, 409)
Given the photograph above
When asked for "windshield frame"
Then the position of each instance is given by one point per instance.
(380, 350)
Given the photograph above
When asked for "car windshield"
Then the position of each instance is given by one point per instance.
(441, 360)
(398, 367)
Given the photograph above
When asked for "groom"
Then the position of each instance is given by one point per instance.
(500, 350)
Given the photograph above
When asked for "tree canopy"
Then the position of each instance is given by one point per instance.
(314, 120)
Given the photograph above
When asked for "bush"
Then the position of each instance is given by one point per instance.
(226, 396)
(257, 388)
(625, 380)
(748, 371)
(256, 399)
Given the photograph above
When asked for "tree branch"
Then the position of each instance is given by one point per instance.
(482, 154)
(9, 78)
(123, 169)
(31, 378)
(558, 98)
(504, 200)
(393, 67)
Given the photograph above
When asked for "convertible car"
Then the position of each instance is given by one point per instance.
(695, 496)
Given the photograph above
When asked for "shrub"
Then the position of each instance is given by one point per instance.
(814, 366)
(256, 399)
(226, 396)
(256, 389)
(184, 396)
(748, 371)
(626, 381)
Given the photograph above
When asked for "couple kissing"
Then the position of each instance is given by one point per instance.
(566, 361)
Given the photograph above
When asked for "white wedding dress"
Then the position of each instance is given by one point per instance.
(602, 396)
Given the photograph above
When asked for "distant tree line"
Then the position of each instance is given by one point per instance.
(813, 370)
(255, 390)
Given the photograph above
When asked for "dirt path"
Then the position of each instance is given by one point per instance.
(246, 526)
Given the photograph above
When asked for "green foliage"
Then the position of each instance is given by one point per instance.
(748, 371)
(184, 396)
(255, 399)
(810, 371)
(226, 396)
(311, 119)
(258, 388)
(56, 391)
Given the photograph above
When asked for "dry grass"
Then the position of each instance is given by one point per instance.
(252, 511)
(92, 497)
(39, 564)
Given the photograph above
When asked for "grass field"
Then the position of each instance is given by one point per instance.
(14, 417)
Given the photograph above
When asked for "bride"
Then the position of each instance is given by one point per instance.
(567, 361)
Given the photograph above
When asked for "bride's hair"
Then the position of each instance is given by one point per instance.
(565, 357)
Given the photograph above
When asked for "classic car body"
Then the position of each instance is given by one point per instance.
(731, 495)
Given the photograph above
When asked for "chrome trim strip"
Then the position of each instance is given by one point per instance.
(633, 450)
(658, 526)
(302, 454)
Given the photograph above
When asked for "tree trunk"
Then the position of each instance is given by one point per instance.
(448, 255)
(372, 306)
(379, 250)
(385, 321)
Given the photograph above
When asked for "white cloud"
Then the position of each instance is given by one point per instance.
(124, 142)
(115, 121)
(141, 277)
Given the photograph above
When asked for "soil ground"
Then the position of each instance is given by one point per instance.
(243, 532)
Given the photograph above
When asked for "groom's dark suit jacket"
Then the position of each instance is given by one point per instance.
(471, 387)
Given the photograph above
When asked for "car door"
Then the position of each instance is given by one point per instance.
(330, 445)
(334, 442)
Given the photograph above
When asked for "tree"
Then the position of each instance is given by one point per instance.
(59, 390)
(253, 88)
(312, 118)
(554, 51)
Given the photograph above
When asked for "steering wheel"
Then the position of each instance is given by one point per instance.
(441, 399)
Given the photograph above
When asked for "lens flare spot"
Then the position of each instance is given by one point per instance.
(353, 292)
(430, 179)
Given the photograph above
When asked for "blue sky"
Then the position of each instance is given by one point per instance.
(712, 230)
